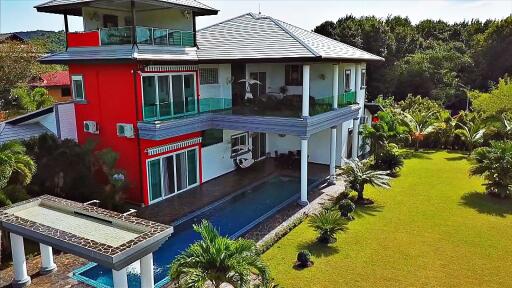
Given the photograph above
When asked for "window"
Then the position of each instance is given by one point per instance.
(259, 145)
(110, 21)
(172, 174)
(78, 87)
(293, 75)
(348, 79)
(212, 137)
(239, 144)
(363, 78)
(209, 76)
(168, 95)
(65, 91)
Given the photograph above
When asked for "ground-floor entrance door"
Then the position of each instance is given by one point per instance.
(259, 145)
(173, 173)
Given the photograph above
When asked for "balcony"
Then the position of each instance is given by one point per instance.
(123, 36)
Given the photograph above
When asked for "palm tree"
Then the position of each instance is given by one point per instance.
(508, 128)
(217, 259)
(494, 163)
(420, 124)
(471, 134)
(14, 161)
(358, 174)
(327, 223)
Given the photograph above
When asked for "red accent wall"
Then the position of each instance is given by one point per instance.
(83, 39)
(109, 93)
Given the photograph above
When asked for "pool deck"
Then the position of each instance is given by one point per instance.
(176, 207)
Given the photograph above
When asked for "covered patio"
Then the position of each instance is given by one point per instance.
(174, 208)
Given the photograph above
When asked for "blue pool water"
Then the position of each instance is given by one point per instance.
(231, 217)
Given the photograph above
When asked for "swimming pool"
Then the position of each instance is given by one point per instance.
(231, 217)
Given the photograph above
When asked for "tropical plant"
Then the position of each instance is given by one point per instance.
(507, 128)
(359, 173)
(471, 134)
(389, 159)
(420, 124)
(494, 164)
(14, 163)
(346, 207)
(327, 223)
(304, 259)
(32, 100)
(216, 259)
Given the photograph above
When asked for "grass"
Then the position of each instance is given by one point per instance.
(434, 228)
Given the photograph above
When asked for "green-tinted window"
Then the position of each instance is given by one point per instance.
(149, 94)
(164, 96)
(192, 166)
(78, 87)
(212, 137)
(155, 187)
(190, 94)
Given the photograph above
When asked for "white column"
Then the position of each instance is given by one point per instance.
(332, 162)
(343, 143)
(355, 138)
(120, 278)
(305, 90)
(304, 171)
(47, 265)
(335, 88)
(146, 271)
(21, 278)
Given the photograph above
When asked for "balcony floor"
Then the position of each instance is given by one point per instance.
(176, 207)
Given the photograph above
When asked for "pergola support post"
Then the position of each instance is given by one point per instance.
(47, 264)
(305, 90)
(355, 138)
(21, 278)
(304, 171)
(332, 160)
(120, 278)
(146, 271)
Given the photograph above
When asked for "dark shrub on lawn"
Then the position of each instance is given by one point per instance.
(346, 207)
(304, 259)
(388, 160)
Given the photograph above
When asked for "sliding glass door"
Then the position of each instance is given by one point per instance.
(171, 174)
(168, 95)
(259, 145)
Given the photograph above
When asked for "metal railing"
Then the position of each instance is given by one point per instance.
(146, 35)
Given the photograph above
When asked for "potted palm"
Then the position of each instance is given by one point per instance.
(359, 174)
(327, 223)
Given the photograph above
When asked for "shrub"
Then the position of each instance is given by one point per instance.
(494, 163)
(359, 173)
(304, 259)
(388, 160)
(346, 207)
(327, 223)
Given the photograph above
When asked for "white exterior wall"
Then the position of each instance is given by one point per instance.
(217, 158)
(67, 120)
(221, 90)
(162, 18)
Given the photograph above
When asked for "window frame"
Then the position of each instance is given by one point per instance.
(216, 69)
(171, 98)
(288, 72)
(363, 78)
(349, 82)
(78, 77)
(162, 188)
(242, 152)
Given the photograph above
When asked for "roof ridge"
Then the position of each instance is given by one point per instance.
(309, 48)
(330, 39)
(224, 21)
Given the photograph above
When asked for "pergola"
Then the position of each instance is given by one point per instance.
(108, 238)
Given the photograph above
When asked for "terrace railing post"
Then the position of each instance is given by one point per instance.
(304, 171)
(47, 264)
(146, 271)
(133, 30)
(21, 278)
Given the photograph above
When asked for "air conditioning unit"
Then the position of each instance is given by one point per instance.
(91, 127)
(125, 130)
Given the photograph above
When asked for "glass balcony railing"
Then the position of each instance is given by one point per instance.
(347, 98)
(146, 35)
(213, 104)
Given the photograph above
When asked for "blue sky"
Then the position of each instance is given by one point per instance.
(19, 15)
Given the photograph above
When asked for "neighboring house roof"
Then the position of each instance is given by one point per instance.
(248, 37)
(52, 79)
(11, 37)
(25, 126)
(252, 36)
(24, 35)
(73, 7)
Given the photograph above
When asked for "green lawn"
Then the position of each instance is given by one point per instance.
(434, 228)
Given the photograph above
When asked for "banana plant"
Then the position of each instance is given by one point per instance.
(420, 125)
(471, 134)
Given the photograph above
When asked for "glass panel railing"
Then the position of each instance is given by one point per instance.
(213, 104)
(146, 35)
(347, 98)
(116, 35)
(320, 105)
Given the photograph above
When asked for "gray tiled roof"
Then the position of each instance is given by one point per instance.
(185, 3)
(9, 132)
(256, 36)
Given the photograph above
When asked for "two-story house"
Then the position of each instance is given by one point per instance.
(183, 106)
